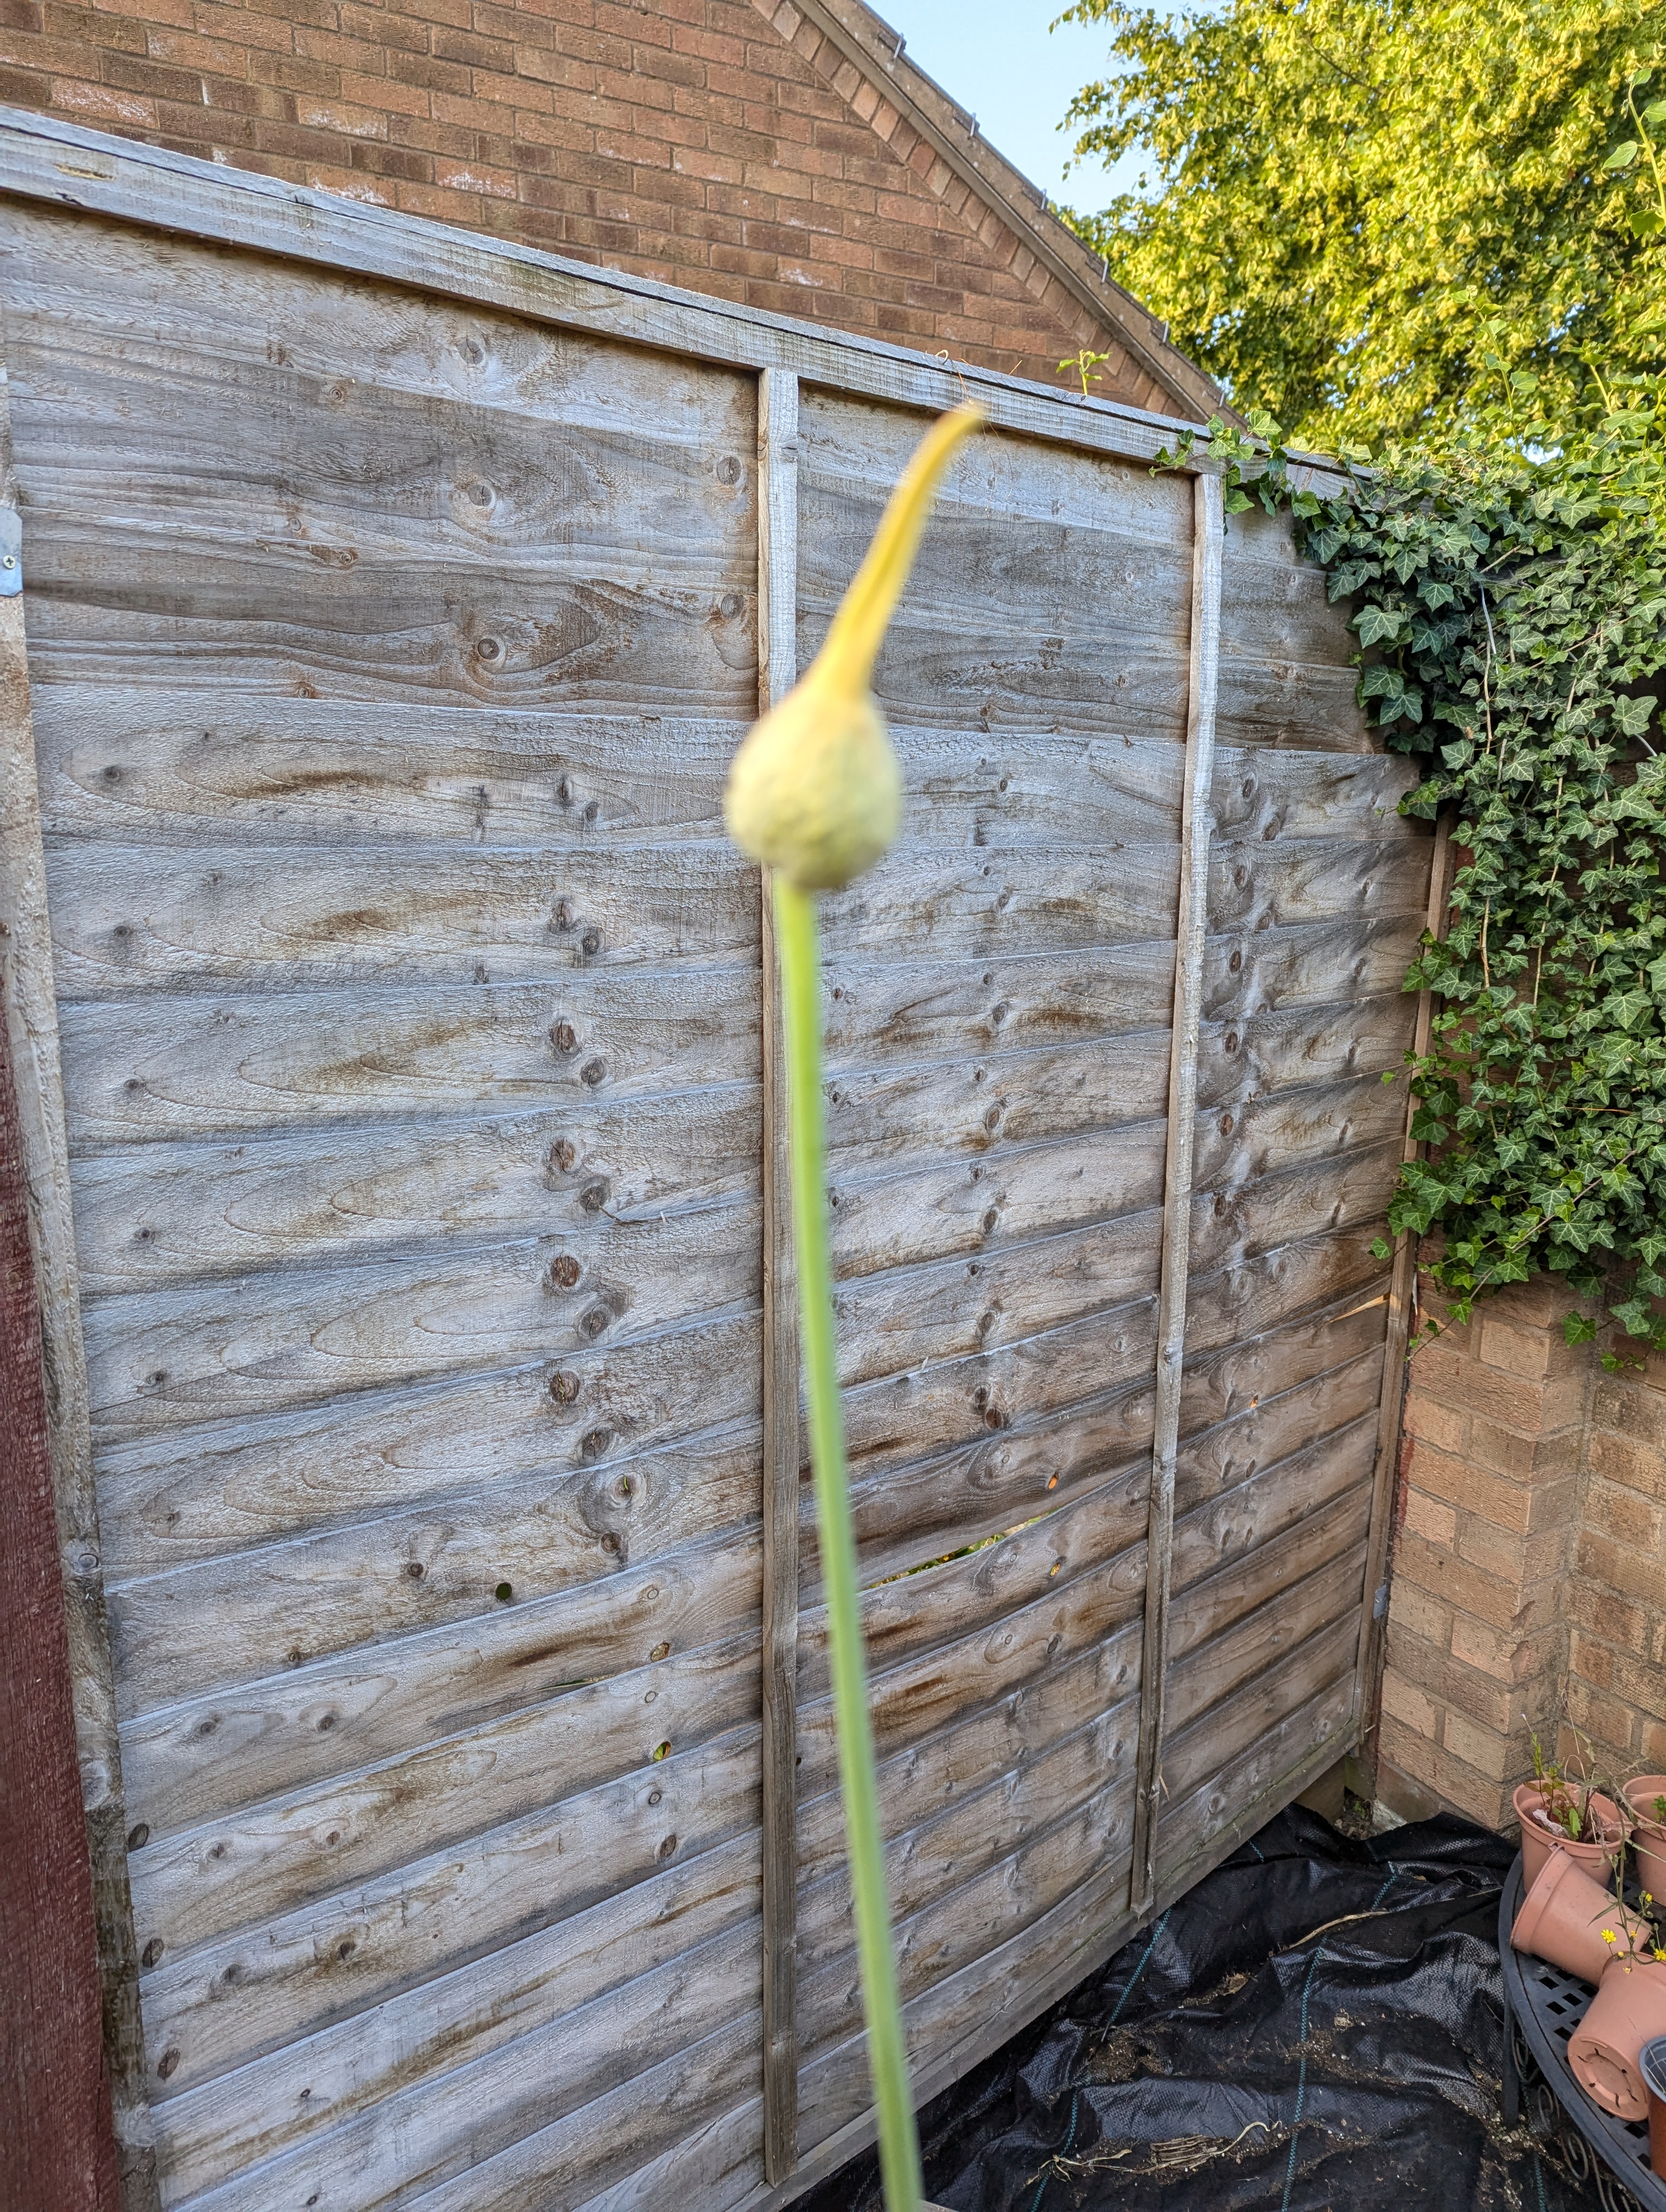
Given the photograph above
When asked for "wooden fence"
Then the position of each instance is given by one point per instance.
(395, 1038)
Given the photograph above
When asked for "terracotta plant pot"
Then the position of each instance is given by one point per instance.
(1562, 1919)
(1628, 2010)
(1649, 1840)
(1651, 2065)
(1538, 1843)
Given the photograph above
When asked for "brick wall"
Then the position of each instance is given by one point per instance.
(1528, 1583)
(708, 143)
(1617, 1596)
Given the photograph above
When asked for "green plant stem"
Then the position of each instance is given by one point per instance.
(796, 938)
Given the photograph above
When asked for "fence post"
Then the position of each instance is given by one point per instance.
(1402, 1282)
(777, 615)
(1208, 524)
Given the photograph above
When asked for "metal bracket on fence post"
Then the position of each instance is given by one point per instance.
(11, 553)
(1209, 525)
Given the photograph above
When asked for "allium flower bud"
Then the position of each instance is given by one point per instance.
(815, 790)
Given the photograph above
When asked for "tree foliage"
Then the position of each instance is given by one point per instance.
(1352, 201)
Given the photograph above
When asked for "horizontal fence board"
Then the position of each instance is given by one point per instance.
(948, 1602)
(1003, 1399)
(191, 1065)
(174, 1212)
(928, 1210)
(1036, 1702)
(338, 557)
(926, 1508)
(662, 1502)
(1235, 1222)
(1078, 1773)
(1260, 793)
(270, 1859)
(976, 1830)
(407, 2047)
(182, 767)
(200, 1494)
(358, 1995)
(908, 1317)
(187, 767)
(368, 1661)
(211, 1629)
(133, 919)
(436, 2130)
(212, 1352)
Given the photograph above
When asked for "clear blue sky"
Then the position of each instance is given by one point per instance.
(997, 58)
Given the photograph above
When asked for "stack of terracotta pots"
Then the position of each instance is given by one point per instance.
(1571, 1916)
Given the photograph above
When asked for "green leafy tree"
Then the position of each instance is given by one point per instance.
(1354, 202)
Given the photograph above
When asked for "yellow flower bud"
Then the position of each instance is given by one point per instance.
(815, 790)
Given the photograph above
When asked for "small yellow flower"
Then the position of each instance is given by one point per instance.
(815, 790)
(1658, 1953)
(1608, 1936)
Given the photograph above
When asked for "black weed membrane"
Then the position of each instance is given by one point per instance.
(1316, 2027)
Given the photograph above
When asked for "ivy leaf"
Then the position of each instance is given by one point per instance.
(1375, 624)
(1630, 716)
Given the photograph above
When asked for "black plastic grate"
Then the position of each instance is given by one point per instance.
(1543, 2008)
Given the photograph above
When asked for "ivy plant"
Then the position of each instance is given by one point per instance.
(1509, 598)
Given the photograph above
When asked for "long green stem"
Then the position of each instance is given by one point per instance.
(796, 939)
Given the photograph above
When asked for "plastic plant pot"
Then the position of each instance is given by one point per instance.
(1628, 2010)
(1562, 1919)
(1649, 1841)
(1538, 1843)
(1651, 2065)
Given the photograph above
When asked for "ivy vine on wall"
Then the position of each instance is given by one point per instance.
(1509, 601)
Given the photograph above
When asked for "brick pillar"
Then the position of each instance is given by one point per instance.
(1486, 1540)
(1616, 1602)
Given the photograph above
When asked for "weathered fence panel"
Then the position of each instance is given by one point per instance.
(394, 602)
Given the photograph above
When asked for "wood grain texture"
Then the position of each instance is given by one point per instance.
(577, 1558)
(382, 532)
(190, 1066)
(176, 1214)
(202, 1493)
(184, 768)
(254, 1345)
(303, 1847)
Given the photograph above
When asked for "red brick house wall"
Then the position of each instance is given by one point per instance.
(731, 147)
